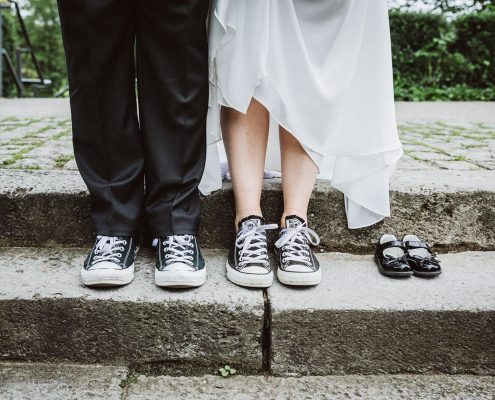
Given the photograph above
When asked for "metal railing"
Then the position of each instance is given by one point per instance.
(16, 71)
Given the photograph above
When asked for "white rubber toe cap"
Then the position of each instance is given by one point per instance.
(255, 270)
(179, 267)
(298, 268)
(104, 265)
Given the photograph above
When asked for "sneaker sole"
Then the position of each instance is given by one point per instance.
(249, 280)
(107, 277)
(299, 278)
(180, 279)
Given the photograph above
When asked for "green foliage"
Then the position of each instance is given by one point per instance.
(476, 41)
(10, 39)
(439, 59)
(412, 34)
(449, 6)
(227, 371)
(445, 55)
(43, 26)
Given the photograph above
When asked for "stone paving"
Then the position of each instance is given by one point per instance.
(45, 143)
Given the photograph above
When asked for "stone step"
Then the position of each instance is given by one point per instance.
(33, 381)
(354, 322)
(357, 321)
(47, 314)
(452, 210)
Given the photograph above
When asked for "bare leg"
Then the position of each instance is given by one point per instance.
(298, 176)
(245, 137)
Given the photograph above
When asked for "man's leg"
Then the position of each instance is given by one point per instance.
(173, 100)
(172, 62)
(99, 37)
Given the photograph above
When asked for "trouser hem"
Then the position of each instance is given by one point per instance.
(117, 233)
(173, 233)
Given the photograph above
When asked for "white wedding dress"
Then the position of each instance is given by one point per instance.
(323, 69)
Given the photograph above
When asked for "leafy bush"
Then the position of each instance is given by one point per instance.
(435, 59)
(476, 41)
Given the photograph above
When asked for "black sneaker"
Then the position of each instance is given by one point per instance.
(110, 262)
(297, 264)
(179, 262)
(248, 263)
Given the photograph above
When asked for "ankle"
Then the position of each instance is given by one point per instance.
(298, 213)
(241, 214)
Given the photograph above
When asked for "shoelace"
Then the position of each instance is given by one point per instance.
(252, 242)
(108, 248)
(179, 248)
(294, 244)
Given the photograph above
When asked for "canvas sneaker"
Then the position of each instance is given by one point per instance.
(110, 262)
(297, 264)
(248, 263)
(179, 262)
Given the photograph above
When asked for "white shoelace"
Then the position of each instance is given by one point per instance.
(294, 246)
(179, 249)
(108, 248)
(252, 242)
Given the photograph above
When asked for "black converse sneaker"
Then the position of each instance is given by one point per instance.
(110, 262)
(297, 264)
(179, 262)
(248, 263)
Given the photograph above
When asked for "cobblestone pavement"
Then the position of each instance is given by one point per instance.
(45, 143)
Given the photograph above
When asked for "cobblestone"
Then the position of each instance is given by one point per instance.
(45, 143)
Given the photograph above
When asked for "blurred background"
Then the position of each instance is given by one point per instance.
(442, 49)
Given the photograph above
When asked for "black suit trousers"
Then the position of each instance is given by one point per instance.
(125, 134)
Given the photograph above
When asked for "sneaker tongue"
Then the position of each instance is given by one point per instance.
(250, 223)
(293, 221)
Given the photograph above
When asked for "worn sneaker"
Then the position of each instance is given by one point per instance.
(248, 263)
(179, 262)
(110, 262)
(297, 264)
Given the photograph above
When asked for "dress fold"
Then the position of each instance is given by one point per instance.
(323, 69)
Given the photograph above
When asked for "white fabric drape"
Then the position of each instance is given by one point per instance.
(323, 69)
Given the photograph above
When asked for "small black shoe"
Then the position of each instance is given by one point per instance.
(248, 263)
(297, 265)
(110, 262)
(391, 257)
(421, 257)
(179, 262)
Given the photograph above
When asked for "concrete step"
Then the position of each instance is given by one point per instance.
(355, 321)
(359, 322)
(47, 314)
(35, 381)
(452, 210)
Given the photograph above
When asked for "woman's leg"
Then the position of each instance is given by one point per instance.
(298, 176)
(245, 137)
